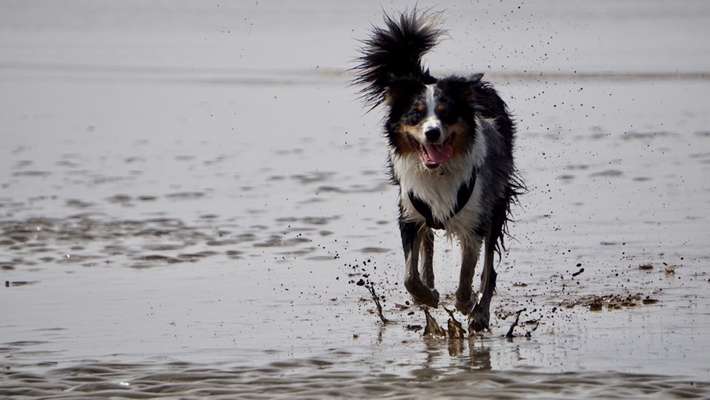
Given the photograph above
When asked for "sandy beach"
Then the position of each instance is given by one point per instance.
(190, 192)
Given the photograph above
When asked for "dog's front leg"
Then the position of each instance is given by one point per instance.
(428, 257)
(470, 249)
(481, 313)
(412, 235)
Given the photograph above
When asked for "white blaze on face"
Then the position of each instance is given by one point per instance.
(438, 151)
(431, 121)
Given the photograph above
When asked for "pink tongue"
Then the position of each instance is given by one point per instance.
(438, 153)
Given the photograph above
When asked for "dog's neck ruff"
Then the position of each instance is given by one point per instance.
(462, 196)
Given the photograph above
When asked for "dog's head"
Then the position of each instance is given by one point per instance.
(432, 118)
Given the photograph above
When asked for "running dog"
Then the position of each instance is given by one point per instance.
(450, 153)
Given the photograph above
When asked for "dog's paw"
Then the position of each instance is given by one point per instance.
(478, 321)
(422, 294)
(428, 297)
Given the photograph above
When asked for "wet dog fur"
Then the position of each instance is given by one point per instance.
(451, 155)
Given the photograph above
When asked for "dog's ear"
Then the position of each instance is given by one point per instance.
(464, 87)
(472, 82)
(475, 78)
(401, 88)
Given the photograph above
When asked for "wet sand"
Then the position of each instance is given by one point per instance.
(183, 214)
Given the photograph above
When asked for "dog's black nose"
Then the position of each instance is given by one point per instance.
(433, 134)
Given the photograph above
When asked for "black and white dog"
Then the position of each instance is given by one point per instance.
(450, 153)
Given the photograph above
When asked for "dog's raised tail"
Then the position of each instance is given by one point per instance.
(394, 53)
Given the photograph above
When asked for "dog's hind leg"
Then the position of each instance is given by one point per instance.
(412, 235)
(428, 257)
(481, 312)
(469, 257)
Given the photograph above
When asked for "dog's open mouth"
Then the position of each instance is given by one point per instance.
(434, 155)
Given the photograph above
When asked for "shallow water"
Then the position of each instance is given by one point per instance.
(199, 230)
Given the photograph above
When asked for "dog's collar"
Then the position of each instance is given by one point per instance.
(462, 196)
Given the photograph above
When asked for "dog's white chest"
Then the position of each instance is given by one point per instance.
(439, 191)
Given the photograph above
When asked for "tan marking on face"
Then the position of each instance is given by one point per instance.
(462, 137)
(406, 138)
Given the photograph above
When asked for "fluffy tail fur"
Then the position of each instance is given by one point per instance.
(394, 53)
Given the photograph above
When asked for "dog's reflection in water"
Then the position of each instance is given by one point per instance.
(466, 353)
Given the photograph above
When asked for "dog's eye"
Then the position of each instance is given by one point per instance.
(446, 114)
(414, 116)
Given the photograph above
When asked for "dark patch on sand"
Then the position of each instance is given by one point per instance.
(87, 239)
(32, 174)
(611, 301)
(374, 250)
(312, 177)
(611, 173)
(185, 195)
(646, 135)
(19, 283)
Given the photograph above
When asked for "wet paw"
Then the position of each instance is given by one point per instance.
(422, 294)
(478, 321)
(430, 298)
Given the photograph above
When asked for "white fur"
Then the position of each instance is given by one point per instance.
(439, 187)
(431, 121)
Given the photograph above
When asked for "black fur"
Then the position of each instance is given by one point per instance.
(391, 57)
(503, 185)
(408, 230)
